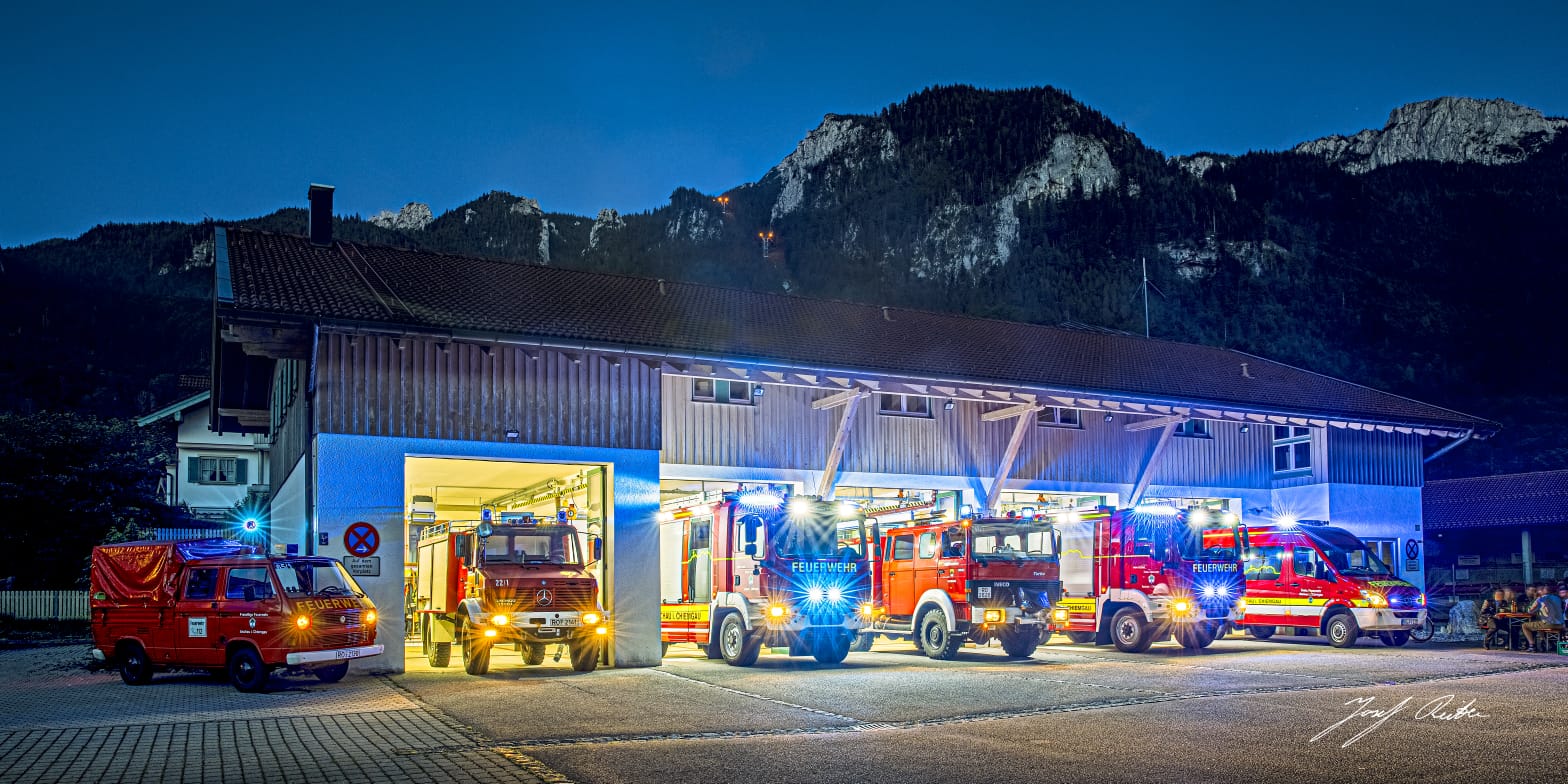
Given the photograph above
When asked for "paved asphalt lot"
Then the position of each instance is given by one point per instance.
(1243, 710)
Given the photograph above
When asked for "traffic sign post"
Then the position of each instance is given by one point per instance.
(361, 540)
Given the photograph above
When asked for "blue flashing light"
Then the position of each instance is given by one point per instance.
(760, 499)
(250, 525)
(1155, 509)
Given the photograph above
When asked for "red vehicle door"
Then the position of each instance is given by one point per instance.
(1267, 592)
(1312, 580)
(926, 566)
(250, 608)
(1143, 557)
(196, 628)
(899, 574)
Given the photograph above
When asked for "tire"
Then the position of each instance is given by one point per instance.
(1130, 631)
(332, 673)
(1261, 632)
(439, 654)
(737, 647)
(1425, 631)
(476, 652)
(664, 649)
(1020, 642)
(1193, 636)
(533, 653)
(1045, 634)
(711, 649)
(246, 670)
(1394, 639)
(1080, 638)
(135, 667)
(830, 648)
(585, 654)
(1342, 630)
(934, 638)
(862, 643)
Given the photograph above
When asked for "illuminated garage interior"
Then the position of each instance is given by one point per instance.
(456, 491)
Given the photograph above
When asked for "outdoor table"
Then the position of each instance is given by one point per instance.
(1514, 619)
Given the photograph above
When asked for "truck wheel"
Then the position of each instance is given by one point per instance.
(476, 652)
(1342, 630)
(1261, 632)
(1080, 638)
(862, 643)
(1130, 631)
(830, 648)
(585, 654)
(439, 654)
(935, 640)
(135, 667)
(1019, 642)
(246, 671)
(711, 649)
(1394, 639)
(738, 649)
(1193, 636)
(533, 652)
(332, 673)
(1045, 634)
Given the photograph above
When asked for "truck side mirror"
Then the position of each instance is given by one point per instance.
(1056, 543)
(250, 593)
(595, 549)
(750, 549)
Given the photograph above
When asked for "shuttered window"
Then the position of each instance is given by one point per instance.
(217, 470)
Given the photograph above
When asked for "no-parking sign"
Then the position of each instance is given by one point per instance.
(361, 539)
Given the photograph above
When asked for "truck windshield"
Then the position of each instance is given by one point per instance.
(316, 578)
(1194, 544)
(543, 545)
(1013, 541)
(821, 535)
(1350, 555)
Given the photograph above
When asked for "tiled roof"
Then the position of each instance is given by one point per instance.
(287, 275)
(1538, 498)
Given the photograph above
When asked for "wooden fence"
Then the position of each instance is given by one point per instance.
(45, 605)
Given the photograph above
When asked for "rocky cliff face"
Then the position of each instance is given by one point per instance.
(413, 217)
(1455, 130)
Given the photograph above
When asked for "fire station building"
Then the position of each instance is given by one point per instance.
(399, 388)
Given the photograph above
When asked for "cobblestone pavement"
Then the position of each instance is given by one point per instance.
(62, 723)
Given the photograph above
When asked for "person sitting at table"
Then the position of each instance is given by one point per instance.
(1491, 624)
(1546, 615)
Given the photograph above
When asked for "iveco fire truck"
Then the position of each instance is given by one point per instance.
(1136, 576)
(760, 569)
(1313, 577)
(522, 582)
(945, 584)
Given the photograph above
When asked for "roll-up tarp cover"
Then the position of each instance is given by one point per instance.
(137, 572)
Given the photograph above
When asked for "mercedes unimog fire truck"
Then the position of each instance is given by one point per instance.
(1134, 577)
(522, 582)
(759, 569)
(945, 584)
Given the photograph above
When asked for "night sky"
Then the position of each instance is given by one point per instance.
(142, 111)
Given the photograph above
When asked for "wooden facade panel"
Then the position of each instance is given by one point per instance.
(1366, 457)
(783, 431)
(291, 436)
(370, 385)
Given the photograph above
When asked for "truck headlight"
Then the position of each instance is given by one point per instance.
(814, 594)
(602, 630)
(370, 617)
(302, 621)
(499, 619)
(777, 610)
(835, 595)
(1181, 607)
(1421, 600)
(1241, 605)
(1059, 615)
(1373, 598)
(866, 609)
(993, 616)
(590, 618)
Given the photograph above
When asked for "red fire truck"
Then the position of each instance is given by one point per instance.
(1136, 576)
(1316, 578)
(521, 582)
(945, 584)
(219, 605)
(757, 568)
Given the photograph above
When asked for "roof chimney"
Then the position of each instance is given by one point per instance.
(320, 214)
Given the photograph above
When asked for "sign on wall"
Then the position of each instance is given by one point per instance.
(363, 567)
(1412, 555)
(361, 539)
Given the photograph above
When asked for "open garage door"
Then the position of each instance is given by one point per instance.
(506, 564)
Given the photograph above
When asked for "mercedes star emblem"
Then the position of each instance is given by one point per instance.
(543, 597)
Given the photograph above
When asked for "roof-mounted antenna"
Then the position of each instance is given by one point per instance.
(661, 287)
(1245, 373)
(885, 315)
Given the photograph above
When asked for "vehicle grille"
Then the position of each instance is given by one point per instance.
(563, 596)
(337, 629)
(1036, 594)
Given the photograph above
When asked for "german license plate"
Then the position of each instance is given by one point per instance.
(345, 654)
(567, 622)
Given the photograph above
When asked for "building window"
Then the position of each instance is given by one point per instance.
(1059, 417)
(714, 390)
(1193, 428)
(217, 471)
(1292, 449)
(904, 405)
(1385, 550)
